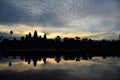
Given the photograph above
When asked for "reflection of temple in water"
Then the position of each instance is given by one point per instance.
(58, 59)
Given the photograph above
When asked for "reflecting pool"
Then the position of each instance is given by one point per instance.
(23, 68)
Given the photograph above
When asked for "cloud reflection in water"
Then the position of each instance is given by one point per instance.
(95, 69)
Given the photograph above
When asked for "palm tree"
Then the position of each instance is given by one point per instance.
(11, 33)
(119, 36)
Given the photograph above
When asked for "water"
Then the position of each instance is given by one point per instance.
(96, 68)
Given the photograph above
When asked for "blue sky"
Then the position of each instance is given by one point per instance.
(96, 19)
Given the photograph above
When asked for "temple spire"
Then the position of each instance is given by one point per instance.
(35, 34)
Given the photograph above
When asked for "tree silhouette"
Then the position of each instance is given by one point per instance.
(11, 32)
(58, 39)
(1, 37)
(77, 38)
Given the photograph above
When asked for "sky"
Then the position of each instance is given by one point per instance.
(95, 19)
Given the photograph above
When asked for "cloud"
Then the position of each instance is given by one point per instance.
(55, 13)
(75, 15)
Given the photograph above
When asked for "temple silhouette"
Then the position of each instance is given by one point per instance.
(37, 45)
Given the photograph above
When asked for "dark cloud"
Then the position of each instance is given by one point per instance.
(28, 12)
(10, 14)
(94, 16)
(53, 13)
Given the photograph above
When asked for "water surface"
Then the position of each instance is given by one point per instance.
(96, 68)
